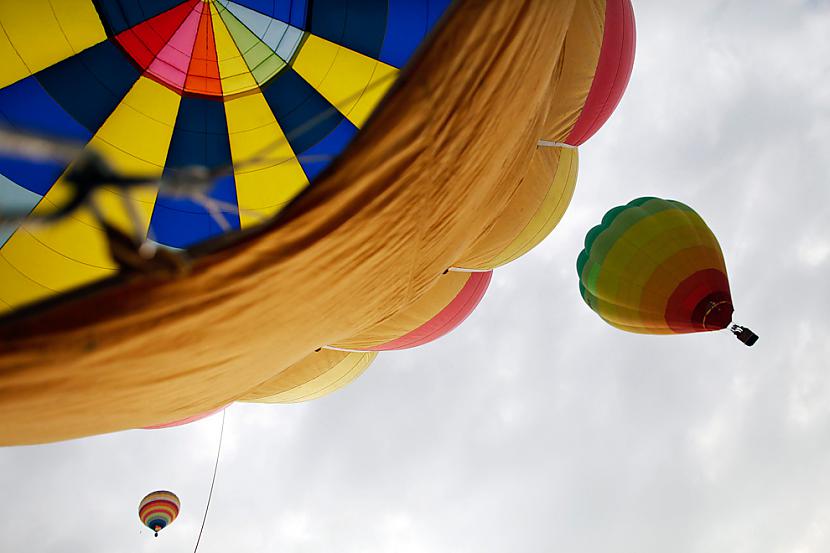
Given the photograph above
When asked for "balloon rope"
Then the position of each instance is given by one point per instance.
(551, 144)
(212, 482)
(463, 270)
(333, 348)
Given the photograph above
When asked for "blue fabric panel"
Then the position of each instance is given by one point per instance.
(180, 223)
(360, 26)
(436, 10)
(16, 199)
(331, 145)
(303, 114)
(299, 9)
(200, 138)
(406, 26)
(278, 9)
(91, 84)
(35, 176)
(26, 106)
(120, 15)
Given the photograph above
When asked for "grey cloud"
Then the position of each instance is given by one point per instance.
(535, 427)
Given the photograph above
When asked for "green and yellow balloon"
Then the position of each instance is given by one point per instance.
(653, 266)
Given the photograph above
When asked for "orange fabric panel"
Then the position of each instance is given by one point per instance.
(203, 73)
(419, 184)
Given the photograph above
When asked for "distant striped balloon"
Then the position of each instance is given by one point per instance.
(158, 510)
(652, 266)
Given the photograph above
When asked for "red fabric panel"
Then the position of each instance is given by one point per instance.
(144, 41)
(694, 299)
(159, 505)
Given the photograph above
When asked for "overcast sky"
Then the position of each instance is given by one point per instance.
(535, 427)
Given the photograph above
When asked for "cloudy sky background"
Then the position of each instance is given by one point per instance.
(535, 427)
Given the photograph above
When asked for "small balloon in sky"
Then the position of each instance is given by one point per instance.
(158, 510)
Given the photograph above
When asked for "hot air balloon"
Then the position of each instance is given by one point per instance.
(158, 510)
(652, 266)
(261, 180)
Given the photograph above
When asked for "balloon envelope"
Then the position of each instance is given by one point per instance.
(158, 510)
(653, 266)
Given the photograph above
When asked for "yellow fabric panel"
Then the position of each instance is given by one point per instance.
(648, 315)
(266, 172)
(639, 329)
(317, 375)
(426, 176)
(535, 209)
(39, 33)
(553, 206)
(74, 251)
(350, 81)
(79, 22)
(233, 71)
(13, 68)
(446, 287)
(17, 288)
(575, 72)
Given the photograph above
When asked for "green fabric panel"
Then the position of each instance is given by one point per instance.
(267, 68)
(260, 59)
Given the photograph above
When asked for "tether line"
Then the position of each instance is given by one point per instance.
(212, 481)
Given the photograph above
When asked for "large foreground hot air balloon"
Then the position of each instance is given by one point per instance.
(158, 510)
(652, 266)
(330, 174)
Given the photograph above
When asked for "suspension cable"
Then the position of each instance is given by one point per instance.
(212, 481)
